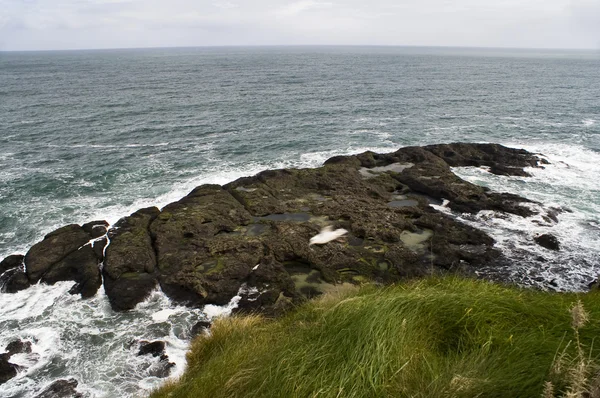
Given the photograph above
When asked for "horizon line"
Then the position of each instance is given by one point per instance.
(305, 45)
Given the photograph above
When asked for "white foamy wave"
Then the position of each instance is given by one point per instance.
(85, 339)
(588, 122)
(570, 183)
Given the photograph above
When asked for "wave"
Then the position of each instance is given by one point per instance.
(569, 183)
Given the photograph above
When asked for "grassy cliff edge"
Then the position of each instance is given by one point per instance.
(438, 337)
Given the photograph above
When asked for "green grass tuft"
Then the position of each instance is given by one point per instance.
(446, 337)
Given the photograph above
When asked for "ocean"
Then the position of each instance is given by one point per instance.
(93, 135)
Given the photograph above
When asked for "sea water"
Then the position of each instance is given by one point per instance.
(90, 135)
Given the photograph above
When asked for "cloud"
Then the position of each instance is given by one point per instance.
(298, 7)
(226, 5)
(60, 24)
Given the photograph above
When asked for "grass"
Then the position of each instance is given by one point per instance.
(445, 337)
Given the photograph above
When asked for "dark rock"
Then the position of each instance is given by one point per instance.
(11, 262)
(500, 159)
(548, 241)
(130, 289)
(55, 247)
(18, 347)
(199, 328)
(14, 280)
(154, 348)
(7, 370)
(162, 369)
(81, 266)
(130, 260)
(96, 228)
(200, 261)
(254, 232)
(61, 389)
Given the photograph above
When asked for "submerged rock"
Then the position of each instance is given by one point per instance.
(157, 349)
(7, 369)
(199, 328)
(154, 348)
(18, 347)
(548, 241)
(11, 262)
(12, 274)
(61, 389)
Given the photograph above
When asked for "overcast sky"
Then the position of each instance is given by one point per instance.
(78, 24)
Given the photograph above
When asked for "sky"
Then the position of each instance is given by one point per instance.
(91, 24)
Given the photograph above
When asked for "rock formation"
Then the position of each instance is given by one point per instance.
(255, 231)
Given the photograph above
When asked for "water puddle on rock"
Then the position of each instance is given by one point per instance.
(375, 171)
(308, 281)
(403, 203)
(294, 217)
(416, 240)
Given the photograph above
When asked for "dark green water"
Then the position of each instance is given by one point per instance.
(97, 134)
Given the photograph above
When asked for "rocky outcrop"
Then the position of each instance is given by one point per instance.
(67, 255)
(130, 261)
(251, 235)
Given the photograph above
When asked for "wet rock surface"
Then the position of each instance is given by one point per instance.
(154, 348)
(7, 369)
(157, 349)
(18, 347)
(61, 389)
(254, 232)
(199, 328)
(12, 274)
(548, 241)
(11, 262)
(65, 255)
(130, 261)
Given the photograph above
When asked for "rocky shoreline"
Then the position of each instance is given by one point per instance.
(252, 235)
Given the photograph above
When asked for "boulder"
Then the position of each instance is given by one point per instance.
(7, 369)
(61, 389)
(154, 348)
(56, 246)
(130, 260)
(81, 266)
(18, 347)
(548, 241)
(13, 281)
(11, 262)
